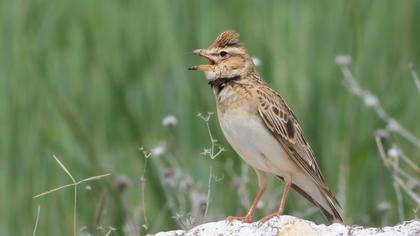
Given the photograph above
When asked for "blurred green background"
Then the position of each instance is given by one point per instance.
(90, 81)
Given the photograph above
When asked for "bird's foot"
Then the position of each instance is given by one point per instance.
(267, 218)
(243, 219)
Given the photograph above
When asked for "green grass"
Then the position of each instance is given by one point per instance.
(90, 81)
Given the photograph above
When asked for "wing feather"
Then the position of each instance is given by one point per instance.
(284, 126)
(282, 123)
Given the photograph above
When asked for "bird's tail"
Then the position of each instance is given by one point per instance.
(321, 197)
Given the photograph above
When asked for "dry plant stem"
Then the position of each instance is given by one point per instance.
(410, 192)
(398, 182)
(208, 192)
(74, 184)
(100, 208)
(75, 210)
(401, 172)
(399, 201)
(396, 170)
(110, 231)
(36, 221)
(381, 151)
(408, 161)
(393, 125)
(415, 77)
(212, 155)
(415, 211)
(400, 176)
(169, 200)
(213, 141)
(143, 195)
(386, 161)
(178, 203)
(75, 194)
(398, 189)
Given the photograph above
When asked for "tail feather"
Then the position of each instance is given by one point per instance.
(330, 199)
(320, 197)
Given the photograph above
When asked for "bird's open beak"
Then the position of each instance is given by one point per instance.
(203, 53)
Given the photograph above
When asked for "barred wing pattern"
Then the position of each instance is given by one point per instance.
(282, 123)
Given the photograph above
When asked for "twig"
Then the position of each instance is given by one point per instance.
(395, 154)
(416, 210)
(208, 192)
(100, 208)
(385, 158)
(415, 77)
(412, 194)
(164, 175)
(143, 195)
(387, 163)
(111, 229)
(372, 101)
(74, 184)
(399, 200)
(173, 178)
(75, 210)
(212, 154)
(36, 221)
(391, 158)
(398, 190)
(408, 161)
(397, 170)
(381, 150)
(214, 142)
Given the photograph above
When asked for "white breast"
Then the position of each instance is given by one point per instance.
(255, 144)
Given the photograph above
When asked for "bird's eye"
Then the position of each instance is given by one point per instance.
(223, 53)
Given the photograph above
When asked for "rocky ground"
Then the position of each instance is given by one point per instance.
(289, 225)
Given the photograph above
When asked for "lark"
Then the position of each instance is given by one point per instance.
(261, 127)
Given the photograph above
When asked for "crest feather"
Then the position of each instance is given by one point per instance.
(228, 38)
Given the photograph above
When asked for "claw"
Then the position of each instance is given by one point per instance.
(267, 218)
(243, 219)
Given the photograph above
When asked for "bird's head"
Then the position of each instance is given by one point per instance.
(226, 56)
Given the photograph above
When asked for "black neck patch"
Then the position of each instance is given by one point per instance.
(220, 83)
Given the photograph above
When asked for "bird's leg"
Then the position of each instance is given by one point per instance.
(250, 214)
(284, 197)
(287, 184)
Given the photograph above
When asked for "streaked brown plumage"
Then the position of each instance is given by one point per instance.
(261, 127)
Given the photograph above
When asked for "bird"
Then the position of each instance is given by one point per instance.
(261, 128)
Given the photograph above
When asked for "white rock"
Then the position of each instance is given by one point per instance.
(290, 226)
